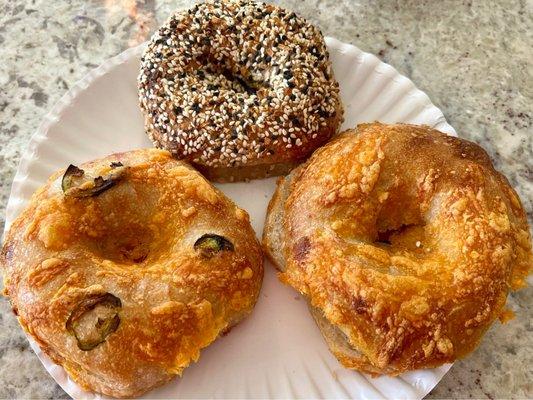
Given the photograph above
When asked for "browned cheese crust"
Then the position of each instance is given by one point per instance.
(239, 88)
(129, 254)
(405, 241)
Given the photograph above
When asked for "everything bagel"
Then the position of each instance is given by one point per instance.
(405, 241)
(241, 89)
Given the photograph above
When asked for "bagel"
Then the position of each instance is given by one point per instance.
(122, 270)
(240, 89)
(405, 242)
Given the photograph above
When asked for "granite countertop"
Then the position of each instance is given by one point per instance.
(473, 58)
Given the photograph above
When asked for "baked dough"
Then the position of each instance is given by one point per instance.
(239, 88)
(405, 242)
(128, 272)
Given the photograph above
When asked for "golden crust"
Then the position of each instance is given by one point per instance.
(407, 240)
(62, 250)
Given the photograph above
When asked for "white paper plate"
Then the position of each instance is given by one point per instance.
(278, 351)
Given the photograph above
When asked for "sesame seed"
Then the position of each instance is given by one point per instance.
(280, 88)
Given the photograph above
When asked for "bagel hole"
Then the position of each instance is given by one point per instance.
(227, 79)
(384, 237)
(246, 87)
(130, 246)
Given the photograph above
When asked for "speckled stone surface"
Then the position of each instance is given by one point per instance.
(473, 58)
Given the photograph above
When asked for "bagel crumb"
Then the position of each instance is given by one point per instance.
(46, 271)
(247, 273)
(187, 212)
